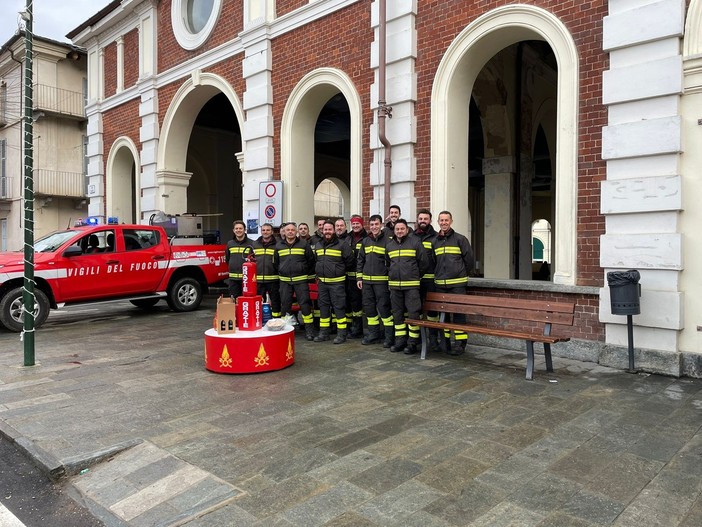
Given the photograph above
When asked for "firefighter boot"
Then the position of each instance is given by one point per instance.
(356, 328)
(323, 335)
(309, 332)
(340, 336)
(400, 344)
(412, 346)
(389, 337)
(373, 335)
(433, 341)
(457, 348)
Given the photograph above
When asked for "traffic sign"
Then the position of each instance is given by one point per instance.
(270, 202)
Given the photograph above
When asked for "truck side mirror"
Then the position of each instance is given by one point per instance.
(73, 250)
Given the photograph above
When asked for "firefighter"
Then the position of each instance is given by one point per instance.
(393, 215)
(235, 258)
(372, 280)
(315, 239)
(354, 299)
(295, 263)
(303, 231)
(317, 236)
(453, 258)
(267, 268)
(407, 262)
(332, 259)
(426, 234)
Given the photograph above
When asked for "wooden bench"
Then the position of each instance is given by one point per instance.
(489, 315)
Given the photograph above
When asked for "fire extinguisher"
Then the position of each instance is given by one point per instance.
(248, 272)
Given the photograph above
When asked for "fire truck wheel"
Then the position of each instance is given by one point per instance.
(11, 309)
(184, 295)
(145, 303)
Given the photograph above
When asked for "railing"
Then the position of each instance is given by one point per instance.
(55, 183)
(58, 100)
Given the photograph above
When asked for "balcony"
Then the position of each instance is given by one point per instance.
(55, 183)
(59, 102)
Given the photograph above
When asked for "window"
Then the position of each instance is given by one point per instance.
(140, 239)
(3, 103)
(194, 20)
(4, 183)
(3, 235)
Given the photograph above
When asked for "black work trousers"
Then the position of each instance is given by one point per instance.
(272, 289)
(234, 288)
(458, 318)
(376, 301)
(302, 295)
(405, 301)
(354, 298)
(331, 296)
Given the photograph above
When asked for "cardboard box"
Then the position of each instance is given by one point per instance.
(225, 318)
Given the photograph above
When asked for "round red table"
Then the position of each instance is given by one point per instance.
(249, 351)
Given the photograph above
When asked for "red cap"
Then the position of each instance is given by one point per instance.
(357, 218)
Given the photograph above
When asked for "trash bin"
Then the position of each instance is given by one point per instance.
(624, 292)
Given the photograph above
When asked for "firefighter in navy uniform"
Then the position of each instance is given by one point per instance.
(407, 263)
(333, 258)
(372, 280)
(453, 256)
(315, 239)
(267, 268)
(426, 234)
(354, 297)
(234, 256)
(295, 264)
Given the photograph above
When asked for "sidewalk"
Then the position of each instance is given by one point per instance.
(350, 435)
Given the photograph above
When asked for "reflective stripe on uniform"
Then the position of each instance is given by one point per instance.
(411, 253)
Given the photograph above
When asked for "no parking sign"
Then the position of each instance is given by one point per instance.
(270, 202)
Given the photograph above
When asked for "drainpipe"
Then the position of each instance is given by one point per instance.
(383, 109)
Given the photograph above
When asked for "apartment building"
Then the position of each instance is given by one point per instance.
(58, 110)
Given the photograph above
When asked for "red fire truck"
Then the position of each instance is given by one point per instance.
(107, 262)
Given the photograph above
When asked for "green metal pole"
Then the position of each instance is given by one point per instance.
(28, 294)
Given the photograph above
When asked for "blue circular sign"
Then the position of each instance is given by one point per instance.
(269, 211)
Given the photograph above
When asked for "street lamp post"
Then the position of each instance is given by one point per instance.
(28, 294)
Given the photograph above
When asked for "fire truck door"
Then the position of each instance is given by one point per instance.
(143, 260)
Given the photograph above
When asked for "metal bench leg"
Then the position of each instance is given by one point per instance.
(424, 336)
(547, 354)
(530, 360)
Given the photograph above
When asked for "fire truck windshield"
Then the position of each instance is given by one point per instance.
(51, 242)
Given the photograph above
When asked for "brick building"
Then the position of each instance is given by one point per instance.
(546, 123)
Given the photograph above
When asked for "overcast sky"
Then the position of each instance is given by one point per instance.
(52, 18)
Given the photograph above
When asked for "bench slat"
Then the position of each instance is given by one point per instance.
(500, 312)
(517, 303)
(534, 337)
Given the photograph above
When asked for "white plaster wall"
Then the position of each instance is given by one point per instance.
(691, 218)
(642, 197)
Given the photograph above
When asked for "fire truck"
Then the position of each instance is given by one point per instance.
(96, 263)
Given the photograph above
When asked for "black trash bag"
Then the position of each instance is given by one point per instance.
(619, 278)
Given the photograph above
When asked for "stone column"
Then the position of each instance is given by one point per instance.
(499, 238)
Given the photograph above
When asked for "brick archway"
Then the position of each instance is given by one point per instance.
(122, 178)
(453, 84)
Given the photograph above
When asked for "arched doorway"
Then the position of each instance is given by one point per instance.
(320, 138)
(198, 171)
(516, 43)
(123, 182)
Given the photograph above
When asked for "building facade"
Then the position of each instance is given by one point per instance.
(59, 97)
(542, 122)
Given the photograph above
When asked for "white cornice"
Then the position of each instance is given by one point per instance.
(289, 22)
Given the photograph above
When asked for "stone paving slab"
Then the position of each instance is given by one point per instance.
(146, 486)
(349, 435)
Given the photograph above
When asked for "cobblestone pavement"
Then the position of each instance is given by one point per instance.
(350, 435)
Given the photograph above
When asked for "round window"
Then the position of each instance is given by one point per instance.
(198, 13)
(194, 20)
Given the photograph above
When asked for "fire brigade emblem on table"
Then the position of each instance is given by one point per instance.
(238, 342)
